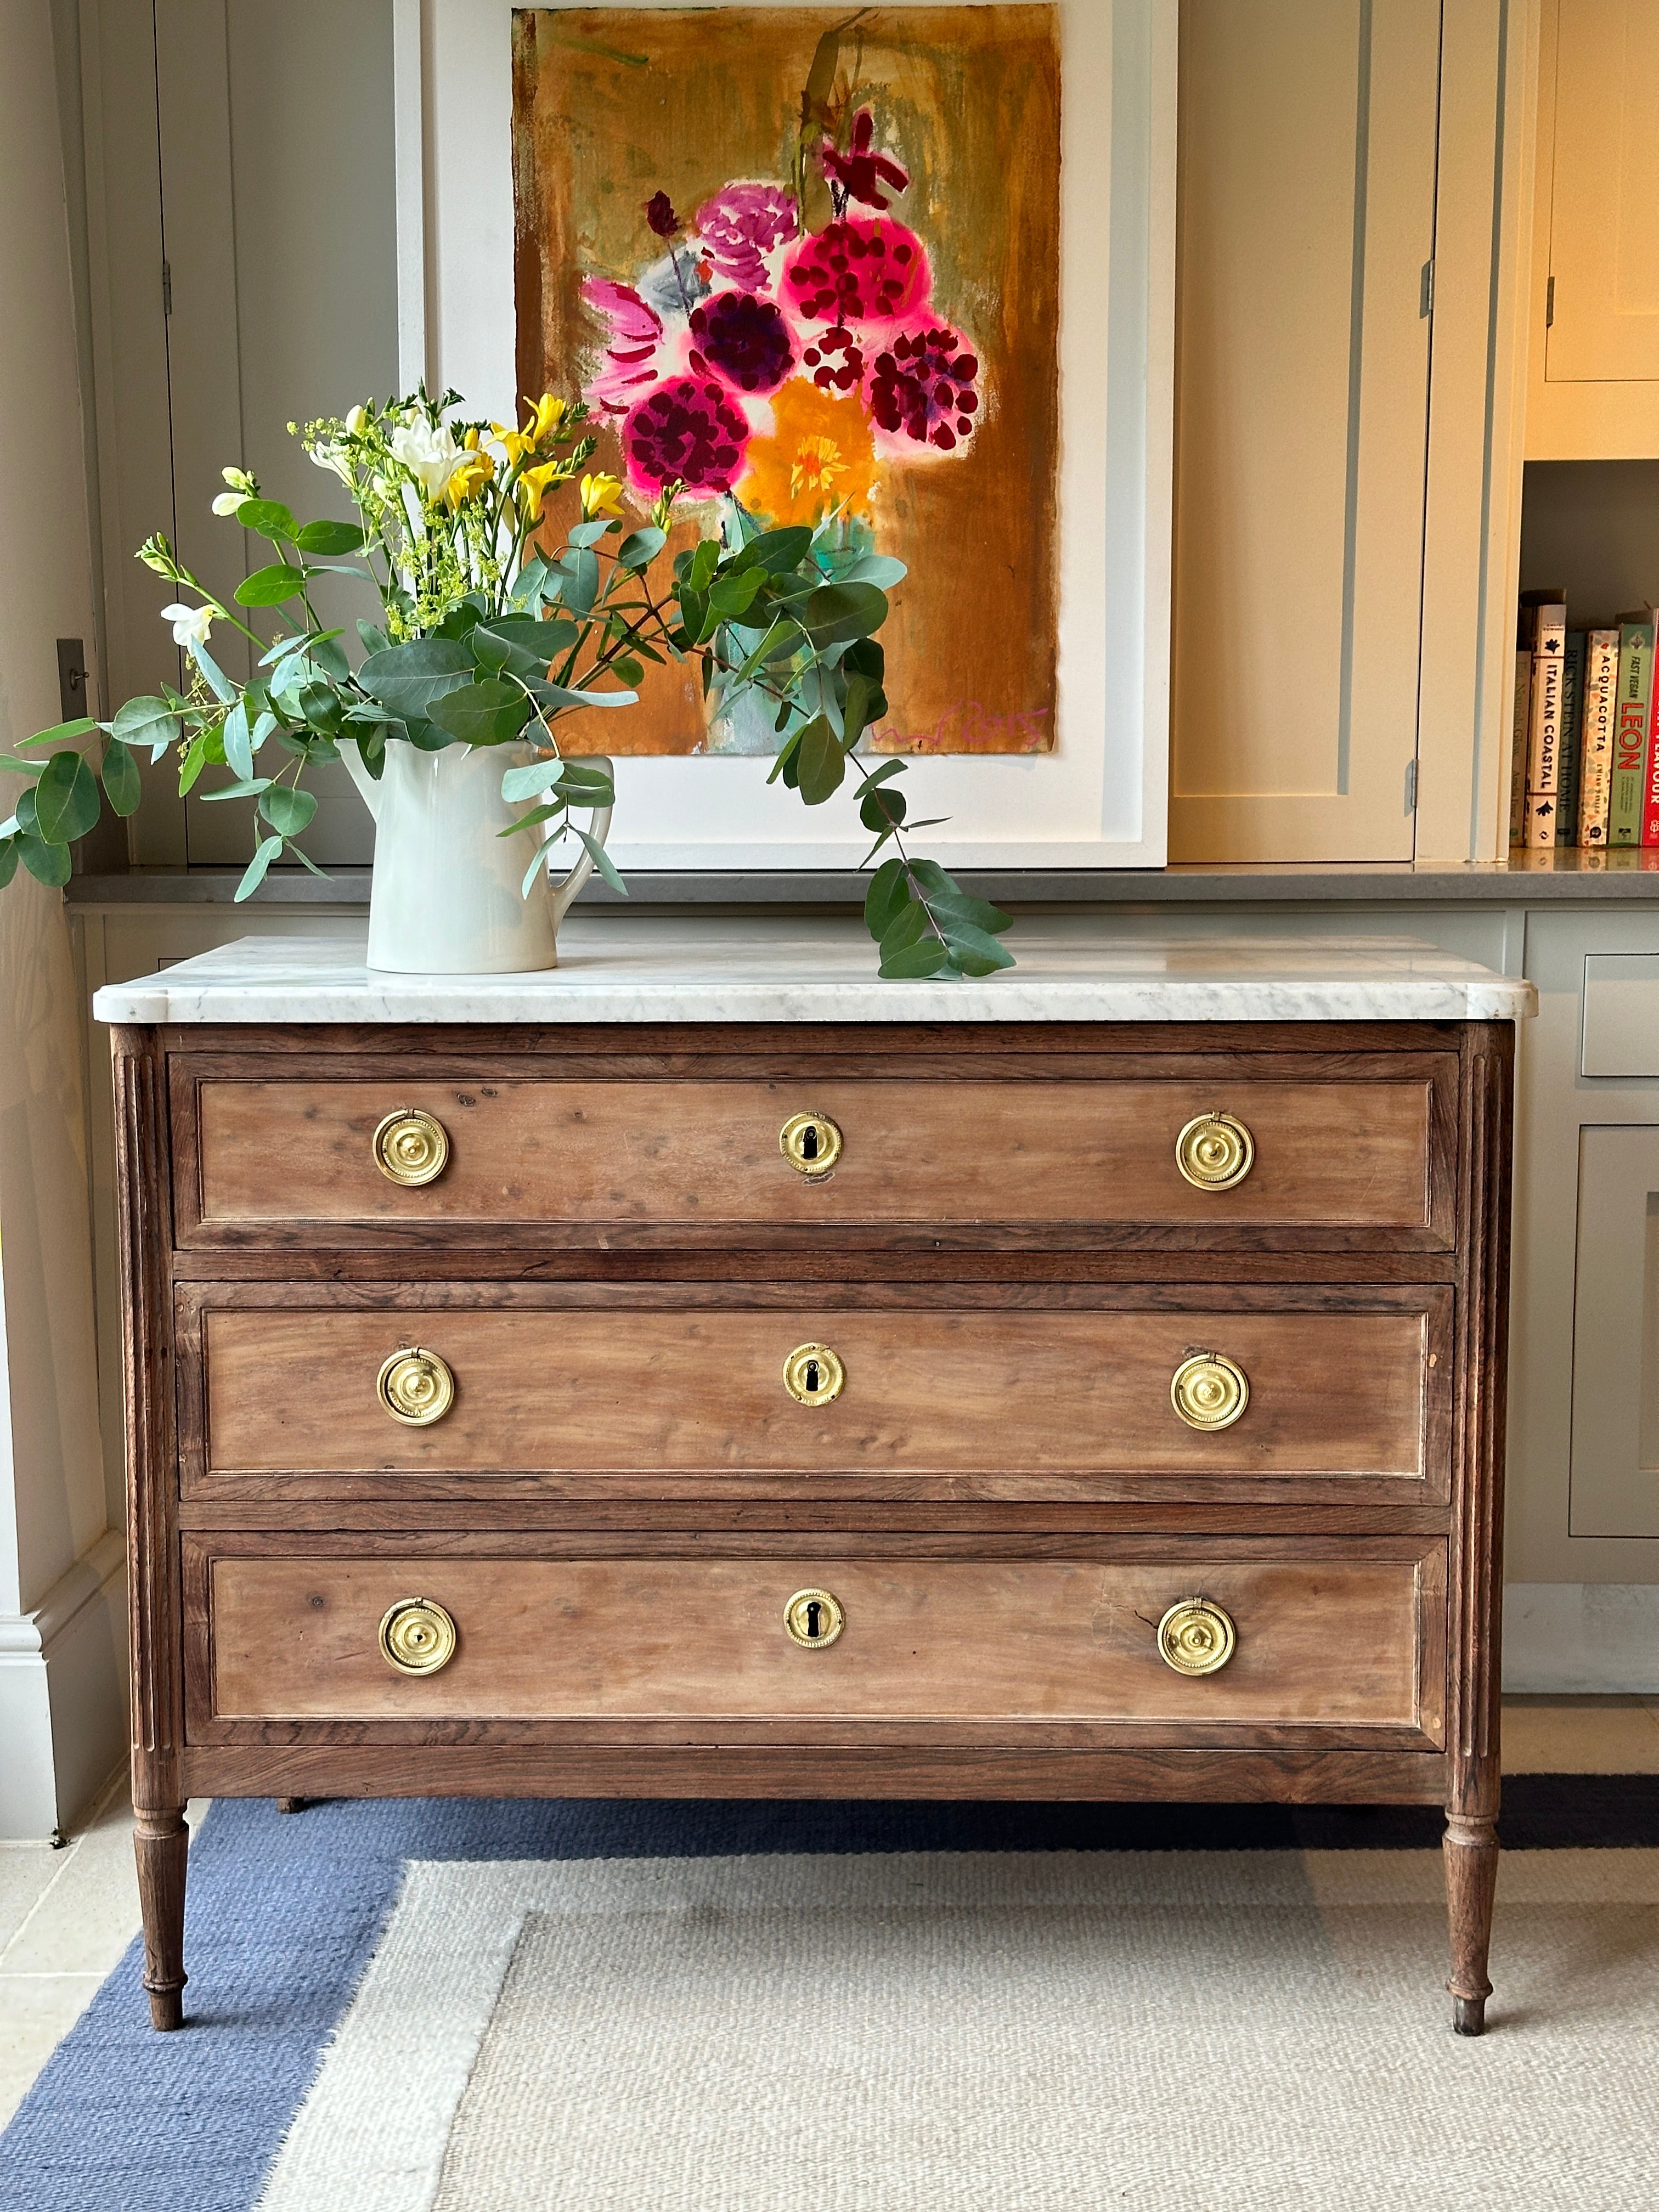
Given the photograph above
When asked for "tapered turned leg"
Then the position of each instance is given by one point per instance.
(1471, 1848)
(161, 1841)
(290, 1804)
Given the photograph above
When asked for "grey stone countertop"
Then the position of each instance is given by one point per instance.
(651, 967)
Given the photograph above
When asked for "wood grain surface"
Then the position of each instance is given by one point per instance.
(1330, 1641)
(703, 1156)
(674, 1389)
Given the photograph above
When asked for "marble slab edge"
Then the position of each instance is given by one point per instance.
(539, 1003)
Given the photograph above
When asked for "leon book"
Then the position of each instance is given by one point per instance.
(1651, 788)
(1595, 747)
(1631, 729)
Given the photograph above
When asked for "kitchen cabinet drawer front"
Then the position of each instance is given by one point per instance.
(663, 1162)
(1352, 1640)
(984, 1399)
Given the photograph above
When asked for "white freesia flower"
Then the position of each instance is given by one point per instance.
(333, 457)
(430, 456)
(242, 486)
(357, 420)
(191, 625)
(229, 501)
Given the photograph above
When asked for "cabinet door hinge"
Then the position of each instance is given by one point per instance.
(1411, 787)
(1425, 289)
(167, 288)
(1549, 303)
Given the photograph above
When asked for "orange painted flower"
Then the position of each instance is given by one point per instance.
(819, 459)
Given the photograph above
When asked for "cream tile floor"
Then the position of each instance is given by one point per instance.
(66, 1916)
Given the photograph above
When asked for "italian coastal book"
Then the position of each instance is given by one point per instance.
(1631, 729)
(1518, 743)
(1596, 746)
(1549, 647)
(1572, 717)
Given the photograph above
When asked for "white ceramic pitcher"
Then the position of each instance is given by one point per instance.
(446, 898)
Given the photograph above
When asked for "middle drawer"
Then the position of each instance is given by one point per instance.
(675, 1390)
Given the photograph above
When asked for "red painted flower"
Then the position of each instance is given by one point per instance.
(860, 172)
(690, 429)
(923, 384)
(861, 270)
(742, 339)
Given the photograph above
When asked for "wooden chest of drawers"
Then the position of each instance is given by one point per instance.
(1051, 1410)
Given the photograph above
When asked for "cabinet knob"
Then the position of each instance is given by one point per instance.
(1215, 1151)
(417, 1637)
(811, 1143)
(1195, 1637)
(1209, 1391)
(812, 1375)
(412, 1147)
(416, 1388)
(814, 1619)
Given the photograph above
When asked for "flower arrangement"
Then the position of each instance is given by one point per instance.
(753, 365)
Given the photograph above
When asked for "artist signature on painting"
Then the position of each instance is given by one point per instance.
(968, 727)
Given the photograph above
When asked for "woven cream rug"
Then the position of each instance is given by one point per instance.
(990, 2031)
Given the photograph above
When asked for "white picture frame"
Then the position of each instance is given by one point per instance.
(1100, 798)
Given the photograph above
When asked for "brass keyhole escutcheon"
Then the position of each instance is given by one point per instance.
(416, 1388)
(417, 1637)
(1215, 1151)
(812, 1375)
(811, 1143)
(1195, 1637)
(412, 1147)
(814, 1619)
(1209, 1391)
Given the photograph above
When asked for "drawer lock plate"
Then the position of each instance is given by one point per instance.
(812, 1375)
(814, 1619)
(811, 1143)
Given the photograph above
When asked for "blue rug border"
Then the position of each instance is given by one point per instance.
(284, 1912)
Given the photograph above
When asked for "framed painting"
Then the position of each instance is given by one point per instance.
(903, 272)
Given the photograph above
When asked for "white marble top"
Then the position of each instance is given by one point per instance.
(655, 967)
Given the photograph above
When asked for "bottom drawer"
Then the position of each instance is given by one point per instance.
(1348, 1636)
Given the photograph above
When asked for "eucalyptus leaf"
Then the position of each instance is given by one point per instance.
(8, 859)
(123, 785)
(374, 641)
(603, 865)
(489, 712)
(882, 809)
(538, 867)
(66, 801)
(821, 763)
(238, 749)
(925, 957)
(217, 681)
(556, 694)
(974, 950)
(62, 733)
(840, 614)
(778, 551)
(877, 569)
(581, 568)
(585, 784)
(407, 679)
(267, 516)
(889, 892)
(47, 864)
(254, 874)
(147, 721)
(537, 777)
(330, 656)
(583, 534)
(289, 811)
(640, 548)
(244, 787)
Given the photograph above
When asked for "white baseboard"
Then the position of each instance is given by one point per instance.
(63, 1694)
(1591, 1637)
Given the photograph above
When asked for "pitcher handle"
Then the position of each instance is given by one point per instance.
(582, 868)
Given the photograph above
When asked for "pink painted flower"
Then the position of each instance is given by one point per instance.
(922, 384)
(690, 428)
(861, 270)
(743, 340)
(859, 172)
(630, 353)
(740, 225)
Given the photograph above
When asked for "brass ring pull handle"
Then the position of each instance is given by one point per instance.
(412, 1147)
(416, 1388)
(1215, 1151)
(1195, 1637)
(812, 1375)
(417, 1637)
(814, 1619)
(1209, 1391)
(811, 1143)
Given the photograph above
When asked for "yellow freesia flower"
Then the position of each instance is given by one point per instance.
(600, 495)
(470, 474)
(545, 415)
(532, 487)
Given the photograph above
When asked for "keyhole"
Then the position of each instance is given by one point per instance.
(812, 1380)
(813, 1609)
(809, 1142)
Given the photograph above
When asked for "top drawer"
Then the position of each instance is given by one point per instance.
(673, 1161)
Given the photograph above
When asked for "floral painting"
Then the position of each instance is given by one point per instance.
(803, 264)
